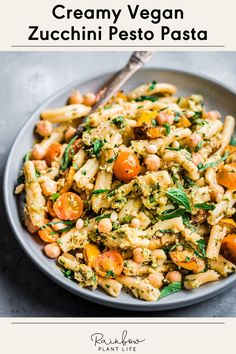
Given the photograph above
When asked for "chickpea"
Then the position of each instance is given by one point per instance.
(52, 250)
(194, 140)
(138, 255)
(44, 128)
(176, 144)
(75, 98)
(79, 224)
(113, 216)
(105, 226)
(174, 276)
(89, 99)
(40, 165)
(163, 118)
(38, 152)
(156, 279)
(151, 149)
(197, 158)
(48, 186)
(212, 115)
(69, 133)
(135, 223)
(152, 162)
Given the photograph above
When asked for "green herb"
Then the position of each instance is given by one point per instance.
(188, 182)
(167, 127)
(154, 123)
(126, 219)
(97, 147)
(27, 156)
(187, 259)
(179, 197)
(197, 114)
(68, 273)
(152, 86)
(119, 121)
(171, 213)
(66, 222)
(84, 173)
(147, 98)
(177, 116)
(104, 216)
(170, 289)
(115, 225)
(75, 166)
(99, 191)
(66, 159)
(163, 109)
(54, 196)
(186, 221)
(202, 167)
(21, 179)
(174, 149)
(112, 159)
(109, 274)
(108, 107)
(201, 252)
(205, 206)
(151, 199)
(65, 229)
(167, 231)
(233, 141)
(107, 286)
(178, 100)
(37, 174)
(198, 147)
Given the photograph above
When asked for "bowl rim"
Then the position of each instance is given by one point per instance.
(92, 296)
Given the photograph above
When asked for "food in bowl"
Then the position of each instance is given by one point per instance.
(141, 196)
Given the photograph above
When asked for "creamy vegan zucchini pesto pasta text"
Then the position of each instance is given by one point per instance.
(143, 198)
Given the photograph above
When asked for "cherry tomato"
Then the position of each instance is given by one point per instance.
(227, 176)
(126, 166)
(228, 247)
(69, 206)
(109, 264)
(53, 152)
(47, 234)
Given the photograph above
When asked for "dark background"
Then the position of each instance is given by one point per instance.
(26, 79)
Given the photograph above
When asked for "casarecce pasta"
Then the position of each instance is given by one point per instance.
(142, 199)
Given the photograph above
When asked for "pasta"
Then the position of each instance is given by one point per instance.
(143, 198)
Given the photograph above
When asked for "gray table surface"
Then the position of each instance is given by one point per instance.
(26, 79)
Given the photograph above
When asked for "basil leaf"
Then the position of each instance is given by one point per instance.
(97, 147)
(172, 213)
(54, 196)
(68, 273)
(170, 289)
(104, 216)
(167, 127)
(98, 191)
(205, 206)
(109, 274)
(65, 161)
(27, 156)
(232, 141)
(147, 98)
(152, 86)
(201, 248)
(119, 121)
(179, 197)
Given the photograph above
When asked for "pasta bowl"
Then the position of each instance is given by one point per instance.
(216, 95)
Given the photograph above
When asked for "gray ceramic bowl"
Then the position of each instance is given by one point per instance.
(216, 97)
